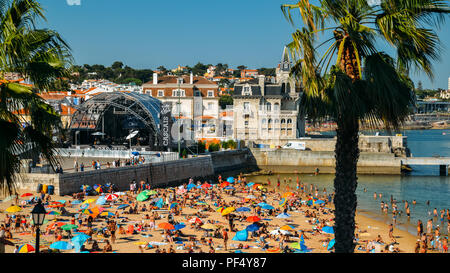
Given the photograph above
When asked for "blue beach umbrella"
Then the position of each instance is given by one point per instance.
(229, 188)
(190, 186)
(242, 209)
(179, 226)
(62, 201)
(230, 179)
(76, 202)
(80, 238)
(262, 204)
(61, 245)
(328, 230)
(135, 153)
(267, 206)
(250, 184)
(252, 227)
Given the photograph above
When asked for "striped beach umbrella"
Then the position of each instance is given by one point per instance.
(26, 248)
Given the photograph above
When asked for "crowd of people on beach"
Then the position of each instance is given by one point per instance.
(145, 212)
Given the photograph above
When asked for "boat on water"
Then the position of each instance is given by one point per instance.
(406, 168)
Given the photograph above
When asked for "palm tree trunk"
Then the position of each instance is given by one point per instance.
(345, 183)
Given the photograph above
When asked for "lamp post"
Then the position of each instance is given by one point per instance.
(179, 115)
(38, 214)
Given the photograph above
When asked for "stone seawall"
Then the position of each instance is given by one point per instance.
(232, 161)
(289, 161)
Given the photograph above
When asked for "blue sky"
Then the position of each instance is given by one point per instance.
(150, 33)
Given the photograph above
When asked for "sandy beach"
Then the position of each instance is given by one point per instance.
(209, 213)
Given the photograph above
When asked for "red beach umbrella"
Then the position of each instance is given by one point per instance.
(252, 219)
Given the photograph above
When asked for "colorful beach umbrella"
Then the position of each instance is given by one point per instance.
(53, 213)
(224, 184)
(111, 197)
(166, 226)
(287, 194)
(195, 220)
(107, 214)
(142, 197)
(13, 209)
(206, 186)
(243, 209)
(69, 227)
(253, 219)
(282, 202)
(26, 248)
(173, 205)
(228, 211)
(88, 201)
(56, 224)
(253, 227)
(179, 226)
(26, 194)
(286, 227)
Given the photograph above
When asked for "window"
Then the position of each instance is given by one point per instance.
(178, 93)
(210, 105)
(160, 93)
(276, 106)
(246, 106)
(198, 93)
(247, 91)
(210, 93)
(246, 123)
(148, 91)
(268, 106)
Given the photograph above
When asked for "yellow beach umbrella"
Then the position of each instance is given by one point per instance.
(228, 211)
(13, 209)
(88, 201)
(286, 227)
(287, 194)
(220, 209)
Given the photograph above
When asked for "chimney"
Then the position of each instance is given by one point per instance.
(155, 78)
(191, 79)
(261, 81)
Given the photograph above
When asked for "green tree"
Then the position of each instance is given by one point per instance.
(224, 101)
(40, 55)
(117, 65)
(381, 93)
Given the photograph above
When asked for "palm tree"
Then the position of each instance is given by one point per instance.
(39, 55)
(363, 84)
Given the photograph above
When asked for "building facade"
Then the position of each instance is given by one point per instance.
(267, 112)
(193, 99)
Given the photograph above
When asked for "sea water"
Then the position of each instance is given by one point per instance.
(422, 184)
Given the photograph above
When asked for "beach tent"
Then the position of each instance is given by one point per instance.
(328, 230)
(241, 235)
